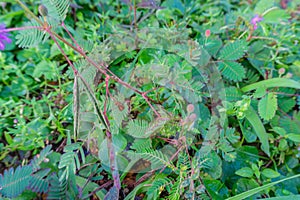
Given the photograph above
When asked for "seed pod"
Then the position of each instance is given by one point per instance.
(43, 10)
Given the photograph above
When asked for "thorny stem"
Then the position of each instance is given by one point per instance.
(20, 28)
(108, 183)
(112, 75)
(62, 51)
(112, 157)
(147, 100)
(78, 49)
(72, 38)
(81, 52)
(144, 177)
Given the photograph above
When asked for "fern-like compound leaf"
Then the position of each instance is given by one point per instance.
(175, 191)
(119, 109)
(233, 51)
(183, 161)
(57, 9)
(158, 185)
(233, 94)
(67, 163)
(35, 163)
(137, 128)
(156, 157)
(14, 182)
(31, 37)
(141, 144)
(232, 70)
(286, 104)
(38, 182)
(267, 106)
(57, 189)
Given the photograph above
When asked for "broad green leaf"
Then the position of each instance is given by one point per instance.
(276, 16)
(270, 173)
(260, 92)
(274, 82)
(259, 129)
(215, 188)
(279, 130)
(267, 106)
(119, 142)
(294, 137)
(46, 69)
(283, 145)
(245, 184)
(245, 172)
(263, 5)
(233, 51)
(259, 189)
(174, 4)
(212, 46)
(8, 138)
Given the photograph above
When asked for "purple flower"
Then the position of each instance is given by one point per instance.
(4, 39)
(256, 19)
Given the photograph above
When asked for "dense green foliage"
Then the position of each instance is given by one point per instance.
(171, 99)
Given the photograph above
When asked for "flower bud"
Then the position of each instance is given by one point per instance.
(207, 33)
(190, 108)
(289, 75)
(43, 10)
(281, 71)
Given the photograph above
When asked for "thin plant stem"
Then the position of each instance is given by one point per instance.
(20, 28)
(29, 12)
(112, 157)
(72, 38)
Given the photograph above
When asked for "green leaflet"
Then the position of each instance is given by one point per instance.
(274, 82)
(263, 5)
(233, 94)
(233, 51)
(232, 70)
(39, 182)
(259, 128)
(267, 106)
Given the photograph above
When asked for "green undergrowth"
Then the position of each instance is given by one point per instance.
(171, 99)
